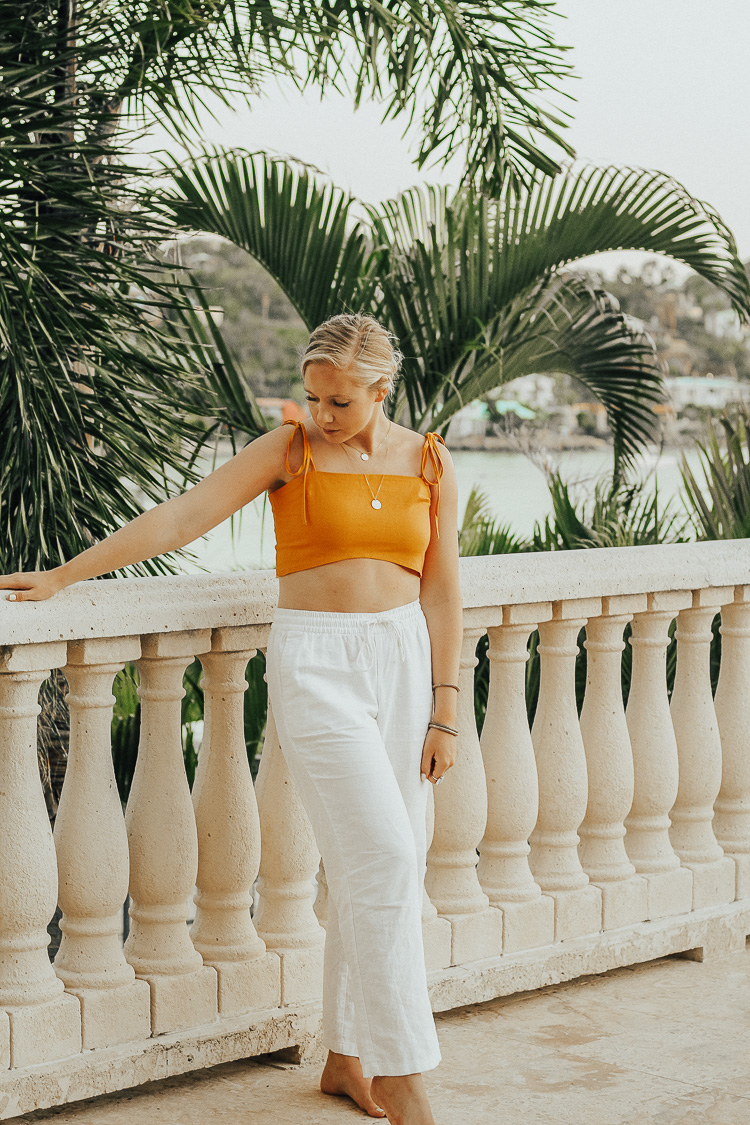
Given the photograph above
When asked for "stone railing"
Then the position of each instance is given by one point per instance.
(603, 841)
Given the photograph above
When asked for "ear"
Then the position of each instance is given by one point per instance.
(381, 394)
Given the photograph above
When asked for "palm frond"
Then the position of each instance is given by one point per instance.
(301, 230)
(448, 268)
(573, 327)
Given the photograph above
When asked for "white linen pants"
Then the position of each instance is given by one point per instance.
(351, 695)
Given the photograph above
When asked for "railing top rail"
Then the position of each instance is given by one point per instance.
(128, 606)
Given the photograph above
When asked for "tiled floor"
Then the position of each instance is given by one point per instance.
(667, 1043)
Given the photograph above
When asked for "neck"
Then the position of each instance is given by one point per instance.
(372, 435)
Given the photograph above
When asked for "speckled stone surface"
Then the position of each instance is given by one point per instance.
(664, 1043)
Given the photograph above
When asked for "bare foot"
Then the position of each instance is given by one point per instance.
(404, 1099)
(342, 1076)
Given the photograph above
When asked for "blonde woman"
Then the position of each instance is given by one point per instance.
(362, 670)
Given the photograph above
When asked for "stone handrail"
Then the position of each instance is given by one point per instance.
(567, 848)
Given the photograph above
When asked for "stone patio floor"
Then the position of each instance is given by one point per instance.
(666, 1043)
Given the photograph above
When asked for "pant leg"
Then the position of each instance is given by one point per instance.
(404, 704)
(325, 705)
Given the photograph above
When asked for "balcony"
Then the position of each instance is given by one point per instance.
(576, 847)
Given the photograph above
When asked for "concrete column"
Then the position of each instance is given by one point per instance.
(289, 858)
(655, 762)
(44, 1023)
(561, 770)
(699, 752)
(512, 787)
(436, 931)
(228, 827)
(164, 844)
(92, 855)
(609, 765)
(732, 808)
(460, 820)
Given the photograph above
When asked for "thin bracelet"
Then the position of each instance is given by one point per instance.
(442, 726)
(454, 686)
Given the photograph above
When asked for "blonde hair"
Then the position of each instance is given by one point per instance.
(358, 344)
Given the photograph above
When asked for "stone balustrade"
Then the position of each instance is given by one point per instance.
(571, 847)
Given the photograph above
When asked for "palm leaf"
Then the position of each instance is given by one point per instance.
(451, 267)
(302, 231)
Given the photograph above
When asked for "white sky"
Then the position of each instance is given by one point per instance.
(661, 83)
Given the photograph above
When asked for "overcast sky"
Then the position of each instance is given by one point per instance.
(661, 83)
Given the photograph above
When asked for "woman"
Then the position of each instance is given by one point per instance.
(362, 670)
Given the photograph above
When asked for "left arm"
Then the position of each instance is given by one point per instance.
(440, 596)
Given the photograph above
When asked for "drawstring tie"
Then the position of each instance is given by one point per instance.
(366, 654)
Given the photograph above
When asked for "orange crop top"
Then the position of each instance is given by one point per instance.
(323, 517)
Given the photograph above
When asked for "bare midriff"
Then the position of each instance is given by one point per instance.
(349, 586)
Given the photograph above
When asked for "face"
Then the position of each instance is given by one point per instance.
(339, 407)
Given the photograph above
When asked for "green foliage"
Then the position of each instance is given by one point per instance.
(720, 506)
(618, 515)
(474, 287)
(480, 534)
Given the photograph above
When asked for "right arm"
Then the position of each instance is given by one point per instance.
(170, 525)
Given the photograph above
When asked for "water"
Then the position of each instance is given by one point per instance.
(513, 483)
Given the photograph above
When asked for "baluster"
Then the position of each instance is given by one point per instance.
(164, 844)
(92, 855)
(228, 827)
(512, 787)
(609, 765)
(289, 857)
(699, 752)
(45, 1023)
(655, 762)
(460, 819)
(561, 769)
(436, 931)
(732, 808)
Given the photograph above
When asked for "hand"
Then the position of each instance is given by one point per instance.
(438, 755)
(32, 585)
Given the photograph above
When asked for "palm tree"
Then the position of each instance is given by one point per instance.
(94, 378)
(477, 288)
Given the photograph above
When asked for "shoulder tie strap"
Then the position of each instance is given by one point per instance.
(307, 461)
(430, 453)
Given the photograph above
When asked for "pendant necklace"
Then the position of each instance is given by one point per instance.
(374, 502)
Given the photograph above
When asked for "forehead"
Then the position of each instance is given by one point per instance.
(323, 380)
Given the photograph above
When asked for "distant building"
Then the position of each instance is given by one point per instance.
(715, 392)
(536, 391)
(724, 323)
(470, 421)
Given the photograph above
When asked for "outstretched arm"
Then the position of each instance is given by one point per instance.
(170, 525)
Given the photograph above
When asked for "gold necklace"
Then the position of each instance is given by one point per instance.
(367, 456)
(374, 502)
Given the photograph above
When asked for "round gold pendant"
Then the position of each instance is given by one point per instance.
(376, 504)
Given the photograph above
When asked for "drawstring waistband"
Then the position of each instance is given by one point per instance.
(368, 625)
